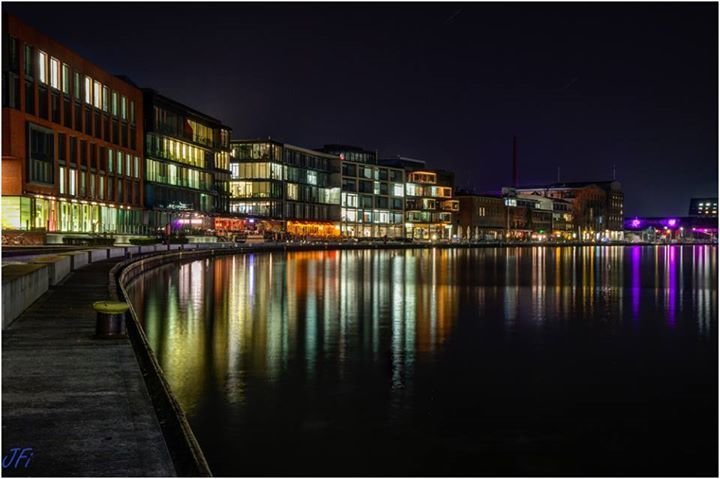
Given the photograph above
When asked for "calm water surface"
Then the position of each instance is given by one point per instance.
(507, 361)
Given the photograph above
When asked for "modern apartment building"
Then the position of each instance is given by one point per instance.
(430, 209)
(284, 189)
(187, 165)
(372, 197)
(72, 140)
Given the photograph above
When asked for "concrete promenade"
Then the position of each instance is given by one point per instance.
(81, 404)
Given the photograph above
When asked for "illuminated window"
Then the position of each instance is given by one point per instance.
(72, 182)
(137, 167)
(66, 78)
(312, 177)
(119, 162)
(132, 111)
(114, 103)
(292, 191)
(128, 171)
(110, 161)
(88, 90)
(55, 73)
(123, 108)
(97, 94)
(62, 180)
(42, 66)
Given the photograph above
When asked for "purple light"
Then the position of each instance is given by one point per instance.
(672, 222)
(635, 223)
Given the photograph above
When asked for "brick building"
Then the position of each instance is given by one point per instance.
(72, 140)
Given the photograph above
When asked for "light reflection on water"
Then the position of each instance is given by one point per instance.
(402, 362)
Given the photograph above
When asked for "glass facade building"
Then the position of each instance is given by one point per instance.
(72, 140)
(187, 165)
(429, 205)
(284, 189)
(373, 196)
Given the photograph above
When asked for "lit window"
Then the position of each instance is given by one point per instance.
(42, 66)
(72, 182)
(123, 108)
(97, 94)
(128, 171)
(88, 90)
(55, 73)
(132, 111)
(110, 161)
(137, 167)
(66, 78)
(312, 177)
(114, 103)
(119, 162)
(62, 180)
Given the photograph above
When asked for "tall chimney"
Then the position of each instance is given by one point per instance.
(515, 165)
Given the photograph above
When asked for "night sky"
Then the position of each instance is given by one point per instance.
(582, 85)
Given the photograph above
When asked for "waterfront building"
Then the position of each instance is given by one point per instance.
(703, 207)
(597, 206)
(481, 216)
(72, 143)
(430, 207)
(187, 166)
(373, 195)
(562, 219)
(280, 189)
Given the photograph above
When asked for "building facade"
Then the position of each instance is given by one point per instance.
(72, 140)
(703, 207)
(281, 189)
(373, 195)
(430, 208)
(482, 217)
(187, 166)
(597, 207)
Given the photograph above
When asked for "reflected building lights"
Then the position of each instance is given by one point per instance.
(241, 324)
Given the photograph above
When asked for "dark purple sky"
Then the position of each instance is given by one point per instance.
(582, 85)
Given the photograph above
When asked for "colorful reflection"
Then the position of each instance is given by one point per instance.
(349, 357)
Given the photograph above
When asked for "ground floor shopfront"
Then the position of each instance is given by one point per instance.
(36, 212)
(226, 226)
(429, 231)
(377, 231)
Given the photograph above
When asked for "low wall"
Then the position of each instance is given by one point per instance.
(97, 254)
(58, 267)
(116, 252)
(22, 285)
(78, 259)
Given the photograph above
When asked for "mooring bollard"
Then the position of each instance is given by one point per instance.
(110, 320)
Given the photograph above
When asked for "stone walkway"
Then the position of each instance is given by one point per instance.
(81, 404)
